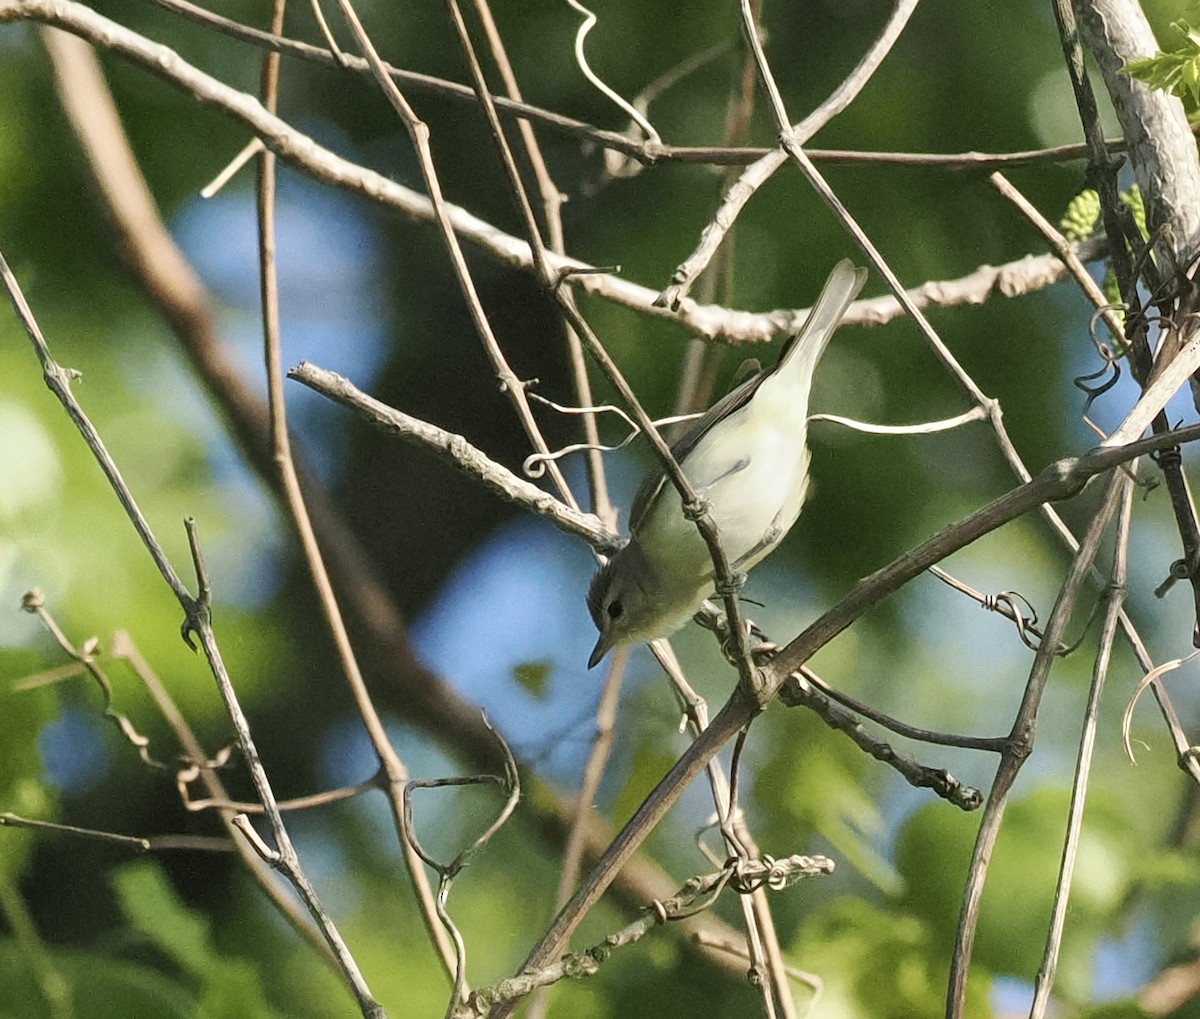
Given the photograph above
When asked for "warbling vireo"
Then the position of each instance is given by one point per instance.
(748, 457)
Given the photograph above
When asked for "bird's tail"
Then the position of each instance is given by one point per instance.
(799, 358)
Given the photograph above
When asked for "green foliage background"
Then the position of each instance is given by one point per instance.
(188, 935)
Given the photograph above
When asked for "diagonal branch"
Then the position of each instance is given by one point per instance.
(1060, 480)
(458, 452)
(762, 170)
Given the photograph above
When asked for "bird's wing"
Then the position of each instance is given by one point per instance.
(840, 289)
(655, 479)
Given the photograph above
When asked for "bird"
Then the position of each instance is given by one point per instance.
(747, 457)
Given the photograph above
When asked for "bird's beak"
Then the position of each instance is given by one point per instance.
(603, 646)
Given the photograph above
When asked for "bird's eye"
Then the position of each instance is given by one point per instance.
(615, 610)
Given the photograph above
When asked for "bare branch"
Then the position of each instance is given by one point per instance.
(136, 843)
(698, 893)
(456, 450)
(301, 151)
(761, 171)
(196, 622)
(1087, 744)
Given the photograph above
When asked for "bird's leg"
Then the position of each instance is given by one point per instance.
(737, 582)
(763, 649)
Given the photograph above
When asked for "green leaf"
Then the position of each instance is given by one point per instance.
(1176, 71)
(878, 962)
(651, 761)
(151, 905)
(100, 986)
(534, 677)
(229, 986)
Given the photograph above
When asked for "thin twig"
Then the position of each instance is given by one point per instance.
(312, 800)
(642, 151)
(460, 453)
(807, 691)
(593, 773)
(123, 648)
(136, 843)
(762, 940)
(293, 500)
(552, 201)
(698, 374)
(809, 980)
(1063, 248)
(86, 657)
(1003, 604)
(1021, 743)
(1060, 480)
(762, 170)
(1083, 765)
(418, 133)
(196, 623)
(301, 151)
